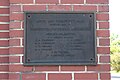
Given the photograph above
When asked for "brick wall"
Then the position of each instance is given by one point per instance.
(12, 45)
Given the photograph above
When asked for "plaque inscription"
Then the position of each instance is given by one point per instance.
(63, 38)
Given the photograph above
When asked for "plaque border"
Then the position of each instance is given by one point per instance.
(58, 12)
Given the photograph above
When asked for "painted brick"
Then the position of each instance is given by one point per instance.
(4, 68)
(72, 1)
(104, 25)
(103, 33)
(21, 1)
(104, 42)
(14, 42)
(33, 76)
(15, 8)
(85, 8)
(16, 50)
(105, 76)
(86, 76)
(101, 67)
(16, 33)
(4, 19)
(4, 59)
(19, 68)
(104, 59)
(15, 25)
(59, 8)
(102, 17)
(72, 68)
(16, 16)
(4, 76)
(4, 27)
(14, 59)
(97, 1)
(4, 2)
(4, 43)
(14, 76)
(34, 7)
(103, 8)
(4, 10)
(103, 50)
(47, 1)
(46, 68)
(4, 51)
(61, 76)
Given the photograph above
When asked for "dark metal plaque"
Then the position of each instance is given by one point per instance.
(60, 38)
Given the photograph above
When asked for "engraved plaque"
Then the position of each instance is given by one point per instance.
(60, 38)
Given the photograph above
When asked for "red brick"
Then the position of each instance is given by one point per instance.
(4, 27)
(104, 59)
(86, 76)
(103, 50)
(103, 33)
(102, 17)
(4, 35)
(4, 19)
(4, 2)
(46, 68)
(104, 25)
(4, 59)
(34, 7)
(3, 68)
(15, 25)
(16, 16)
(105, 76)
(104, 42)
(59, 8)
(4, 43)
(4, 76)
(21, 1)
(103, 8)
(4, 51)
(73, 68)
(33, 76)
(101, 67)
(14, 76)
(16, 50)
(16, 33)
(47, 1)
(97, 1)
(14, 42)
(61, 76)
(15, 8)
(72, 1)
(4, 11)
(84, 8)
(19, 68)
(14, 59)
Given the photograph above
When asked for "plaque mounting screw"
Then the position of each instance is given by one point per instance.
(28, 16)
(28, 60)
(91, 59)
(90, 15)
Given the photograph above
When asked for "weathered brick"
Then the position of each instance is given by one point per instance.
(4, 35)
(72, 1)
(19, 68)
(103, 33)
(103, 50)
(46, 68)
(86, 76)
(4, 76)
(16, 50)
(15, 25)
(14, 42)
(21, 1)
(102, 17)
(4, 19)
(4, 26)
(4, 43)
(47, 1)
(97, 1)
(14, 76)
(15, 8)
(16, 16)
(4, 51)
(14, 59)
(59, 8)
(34, 8)
(103, 8)
(4, 10)
(3, 68)
(4, 2)
(16, 33)
(61, 76)
(104, 59)
(105, 76)
(4, 59)
(33, 76)
(104, 25)
(73, 68)
(104, 42)
(85, 8)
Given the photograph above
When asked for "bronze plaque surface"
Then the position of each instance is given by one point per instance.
(60, 38)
